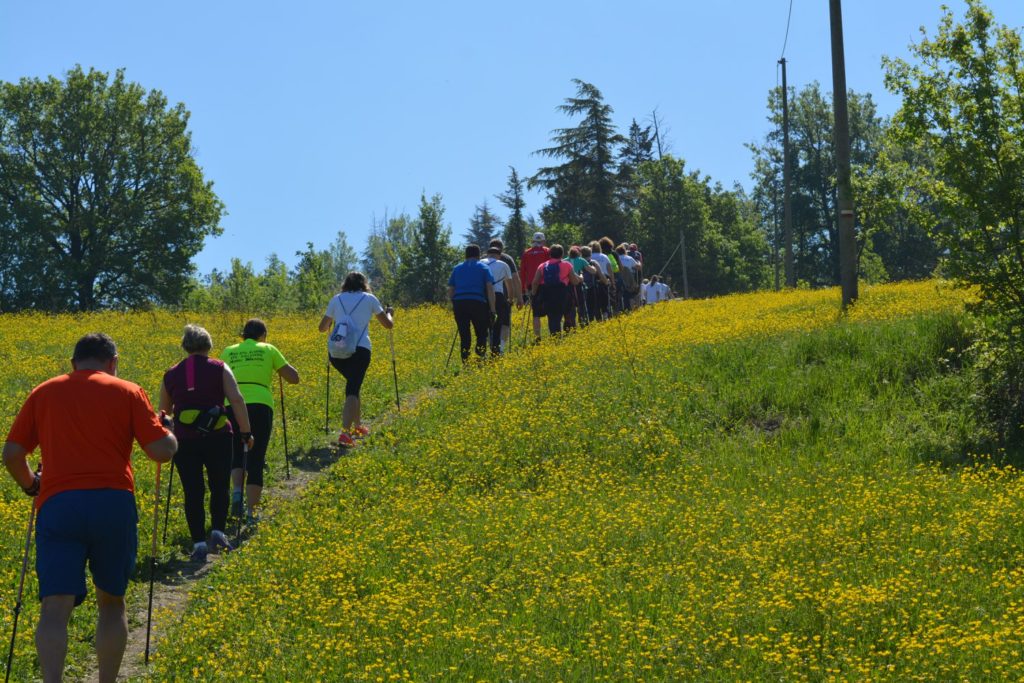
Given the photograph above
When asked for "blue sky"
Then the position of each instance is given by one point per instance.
(314, 117)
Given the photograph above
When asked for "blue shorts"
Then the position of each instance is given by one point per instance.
(98, 525)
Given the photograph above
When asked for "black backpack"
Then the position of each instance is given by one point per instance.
(553, 274)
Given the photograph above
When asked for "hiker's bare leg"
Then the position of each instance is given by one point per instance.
(111, 634)
(350, 414)
(52, 635)
(254, 493)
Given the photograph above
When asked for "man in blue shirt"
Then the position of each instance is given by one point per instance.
(471, 290)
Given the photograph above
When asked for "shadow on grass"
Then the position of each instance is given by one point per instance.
(317, 459)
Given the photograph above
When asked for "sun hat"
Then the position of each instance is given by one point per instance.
(538, 237)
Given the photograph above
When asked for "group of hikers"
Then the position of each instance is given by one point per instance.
(214, 425)
(216, 414)
(587, 283)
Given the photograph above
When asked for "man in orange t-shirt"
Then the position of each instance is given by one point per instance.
(84, 424)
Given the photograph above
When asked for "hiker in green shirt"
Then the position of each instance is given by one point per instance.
(254, 363)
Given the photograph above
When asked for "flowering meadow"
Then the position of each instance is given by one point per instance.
(741, 488)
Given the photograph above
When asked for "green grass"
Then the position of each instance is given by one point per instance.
(797, 506)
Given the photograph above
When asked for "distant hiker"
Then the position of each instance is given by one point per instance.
(593, 277)
(528, 264)
(84, 423)
(194, 391)
(643, 290)
(471, 290)
(602, 298)
(629, 271)
(635, 252)
(254, 363)
(615, 286)
(349, 348)
(502, 276)
(661, 291)
(553, 278)
(517, 287)
(577, 306)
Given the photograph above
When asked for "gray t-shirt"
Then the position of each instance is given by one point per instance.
(361, 307)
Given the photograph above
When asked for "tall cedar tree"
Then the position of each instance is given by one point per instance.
(423, 274)
(483, 226)
(516, 227)
(582, 190)
(102, 202)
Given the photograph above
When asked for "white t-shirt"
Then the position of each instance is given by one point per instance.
(663, 292)
(645, 290)
(604, 263)
(361, 307)
(627, 261)
(499, 271)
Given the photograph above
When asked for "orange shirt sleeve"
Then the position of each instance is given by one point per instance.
(145, 424)
(25, 430)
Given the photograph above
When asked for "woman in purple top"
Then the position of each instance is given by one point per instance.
(193, 391)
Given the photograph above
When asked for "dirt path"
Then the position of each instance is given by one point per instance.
(175, 579)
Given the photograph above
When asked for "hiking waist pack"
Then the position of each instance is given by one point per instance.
(344, 337)
(204, 421)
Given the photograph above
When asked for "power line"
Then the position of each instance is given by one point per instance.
(785, 41)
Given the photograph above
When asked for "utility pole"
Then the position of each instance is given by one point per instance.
(775, 234)
(682, 237)
(847, 237)
(787, 204)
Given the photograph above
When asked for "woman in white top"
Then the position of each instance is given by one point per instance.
(360, 305)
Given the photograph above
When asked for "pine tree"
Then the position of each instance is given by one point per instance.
(582, 190)
(423, 273)
(483, 226)
(515, 234)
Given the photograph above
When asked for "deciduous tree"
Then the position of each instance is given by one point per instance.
(103, 203)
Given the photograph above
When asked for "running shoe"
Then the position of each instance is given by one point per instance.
(219, 541)
(236, 503)
(199, 553)
(361, 432)
(346, 441)
(252, 521)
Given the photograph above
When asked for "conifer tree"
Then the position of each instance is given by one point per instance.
(483, 226)
(582, 189)
(515, 234)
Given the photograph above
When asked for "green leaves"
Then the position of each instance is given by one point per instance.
(100, 185)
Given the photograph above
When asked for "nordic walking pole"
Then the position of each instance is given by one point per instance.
(245, 457)
(394, 368)
(284, 428)
(167, 508)
(327, 400)
(21, 589)
(152, 558)
(451, 350)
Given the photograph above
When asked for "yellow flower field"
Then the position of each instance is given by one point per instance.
(735, 488)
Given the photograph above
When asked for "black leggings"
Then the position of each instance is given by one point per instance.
(478, 314)
(353, 369)
(261, 419)
(214, 453)
(555, 300)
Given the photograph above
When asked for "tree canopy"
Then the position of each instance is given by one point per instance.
(102, 203)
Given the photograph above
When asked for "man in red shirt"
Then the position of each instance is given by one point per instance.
(84, 424)
(528, 264)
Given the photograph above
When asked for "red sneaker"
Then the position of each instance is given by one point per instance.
(346, 441)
